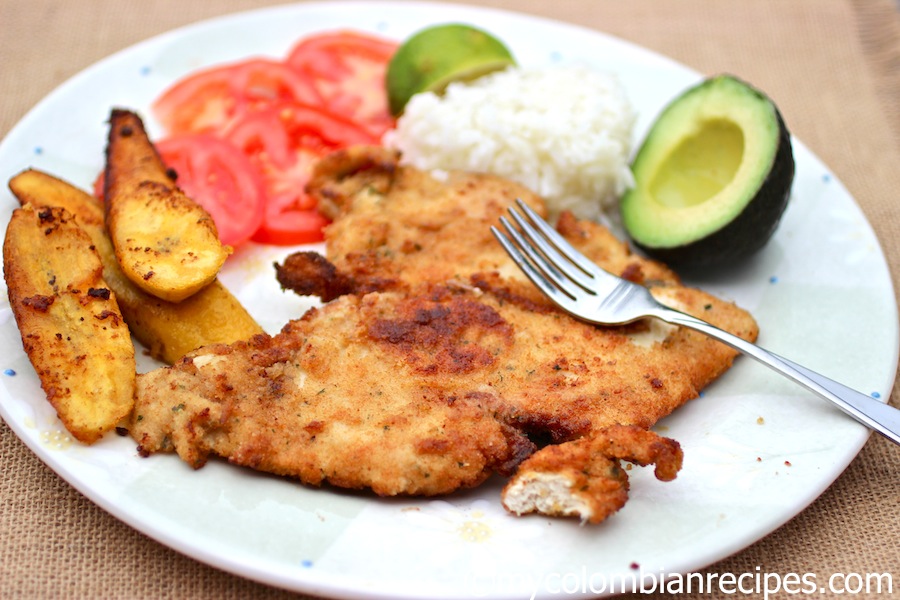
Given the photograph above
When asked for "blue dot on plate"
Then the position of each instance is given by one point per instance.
(773, 279)
(306, 563)
(145, 70)
(38, 150)
(826, 177)
(9, 372)
(876, 395)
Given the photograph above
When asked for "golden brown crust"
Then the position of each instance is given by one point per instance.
(583, 478)
(324, 402)
(340, 175)
(398, 226)
(412, 393)
(435, 362)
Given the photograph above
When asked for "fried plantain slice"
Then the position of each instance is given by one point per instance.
(166, 243)
(169, 330)
(71, 326)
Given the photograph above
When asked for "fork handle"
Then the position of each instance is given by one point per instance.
(876, 415)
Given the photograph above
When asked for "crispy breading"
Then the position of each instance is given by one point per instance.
(408, 393)
(435, 363)
(414, 393)
(583, 478)
(397, 225)
(339, 396)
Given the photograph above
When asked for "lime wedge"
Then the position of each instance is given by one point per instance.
(436, 56)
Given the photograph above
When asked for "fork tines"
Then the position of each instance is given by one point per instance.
(551, 262)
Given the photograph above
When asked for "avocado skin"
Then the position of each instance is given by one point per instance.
(752, 229)
(749, 231)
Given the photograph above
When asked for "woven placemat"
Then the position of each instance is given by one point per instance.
(833, 65)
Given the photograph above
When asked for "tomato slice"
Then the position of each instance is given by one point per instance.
(347, 69)
(291, 227)
(212, 99)
(245, 136)
(284, 142)
(221, 179)
(98, 186)
(275, 133)
(325, 54)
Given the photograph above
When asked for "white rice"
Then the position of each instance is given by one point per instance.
(562, 131)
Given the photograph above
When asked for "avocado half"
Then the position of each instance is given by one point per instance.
(712, 177)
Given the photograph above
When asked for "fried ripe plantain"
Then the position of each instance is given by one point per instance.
(166, 243)
(69, 319)
(169, 330)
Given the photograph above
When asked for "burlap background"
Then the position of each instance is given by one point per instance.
(833, 65)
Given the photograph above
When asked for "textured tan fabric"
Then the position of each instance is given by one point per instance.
(834, 66)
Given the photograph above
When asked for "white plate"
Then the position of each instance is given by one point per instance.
(758, 449)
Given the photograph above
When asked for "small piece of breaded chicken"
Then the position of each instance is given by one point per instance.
(583, 478)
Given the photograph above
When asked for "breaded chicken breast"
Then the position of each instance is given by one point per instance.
(433, 363)
(418, 393)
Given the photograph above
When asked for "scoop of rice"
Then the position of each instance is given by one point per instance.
(563, 131)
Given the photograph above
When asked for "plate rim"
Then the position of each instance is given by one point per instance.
(318, 587)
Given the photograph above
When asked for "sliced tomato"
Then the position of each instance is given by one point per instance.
(284, 142)
(325, 54)
(347, 69)
(260, 126)
(291, 215)
(212, 99)
(221, 179)
(275, 133)
(291, 227)
(98, 186)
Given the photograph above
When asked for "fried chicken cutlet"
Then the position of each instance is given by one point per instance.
(425, 371)
(395, 226)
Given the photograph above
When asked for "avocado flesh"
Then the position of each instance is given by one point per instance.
(712, 178)
(700, 166)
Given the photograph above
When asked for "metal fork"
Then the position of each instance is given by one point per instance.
(587, 292)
